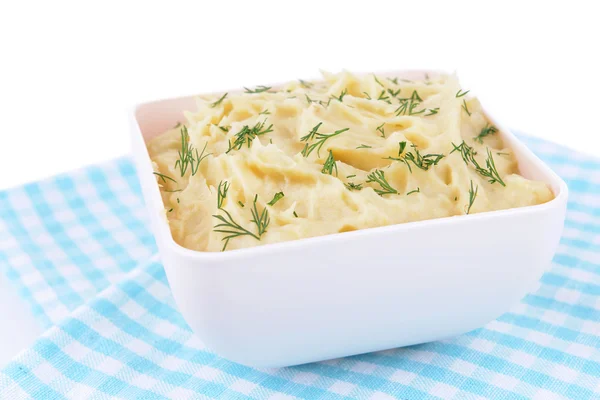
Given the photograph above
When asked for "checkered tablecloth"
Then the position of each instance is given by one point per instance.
(79, 251)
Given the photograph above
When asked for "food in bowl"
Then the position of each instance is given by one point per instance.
(345, 153)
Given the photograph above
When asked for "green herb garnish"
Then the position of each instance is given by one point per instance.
(295, 215)
(377, 80)
(417, 190)
(351, 176)
(408, 105)
(464, 107)
(364, 146)
(460, 93)
(164, 177)
(472, 195)
(262, 220)
(259, 89)
(340, 98)
(384, 97)
(188, 155)
(321, 139)
(367, 94)
(378, 176)
(394, 93)
(468, 156)
(393, 80)
(247, 135)
(241, 204)
(381, 130)
(432, 111)
(422, 161)
(305, 84)
(265, 112)
(224, 128)
(233, 229)
(485, 131)
(216, 103)
(353, 186)
(276, 198)
(222, 193)
(330, 165)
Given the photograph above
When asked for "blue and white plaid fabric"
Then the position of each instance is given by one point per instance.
(79, 250)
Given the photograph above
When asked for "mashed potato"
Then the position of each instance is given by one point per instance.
(349, 152)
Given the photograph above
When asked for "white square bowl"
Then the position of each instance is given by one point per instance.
(354, 292)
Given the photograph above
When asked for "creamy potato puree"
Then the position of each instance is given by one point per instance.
(345, 153)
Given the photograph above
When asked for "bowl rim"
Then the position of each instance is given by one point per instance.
(163, 232)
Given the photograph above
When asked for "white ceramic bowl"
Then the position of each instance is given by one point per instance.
(355, 292)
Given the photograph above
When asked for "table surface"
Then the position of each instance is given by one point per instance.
(87, 82)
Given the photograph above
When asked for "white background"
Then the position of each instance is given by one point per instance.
(71, 71)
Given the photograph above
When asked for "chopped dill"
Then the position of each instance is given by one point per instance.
(276, 198)
(330, 165)
(222, 193)
(377, 80)
(353, 186)
(351, 176)
(378, 176)
(407, 105)
(381, 130)
(466, 108)
(295, 215)
(164, 177)
(472, 195)
(259, 89)
(224, 128)
(265, 112)
(188, 155)
(340, 98)
(170, 210)
(485, 131)
(394, 93)
(393, 80)
(432, 111)
(384, 97)
(241, 204)
(421, 161)
(247, 135)
(305, 84)
(460, 93)
(468, 156)
(262, 220)
(232, 229)
(367, 94)
(417, 190)
(216, 103)
(321, 138)
(364, 146)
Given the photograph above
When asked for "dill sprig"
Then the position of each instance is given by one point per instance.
(232, 229)
(460, 93)
(472, 195)
(417, 190)
(351, 176)
(321, 138)
(353, 186)
(241, 204)
(384, 97)
(381, 130)
(259, 89)
(421, 161)
(377, 80)
(340, 98)
(485, 131)
(247, 135)
(393, 93)
(261, 220)
(378, 176)
(276, 198)
(265, 112)
(224, 128)
(295, 215)
(393, 80)
(364, 146)
(368, 96)
(330, 165)
(216, 103)
(222, 193)
(188, 155)
(432, 111)
(305, 84)
(408, 105)
(466, 108)
(164, 177)
(468, 155)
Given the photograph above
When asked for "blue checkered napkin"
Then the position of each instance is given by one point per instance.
(65, 239)
(129, 341)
